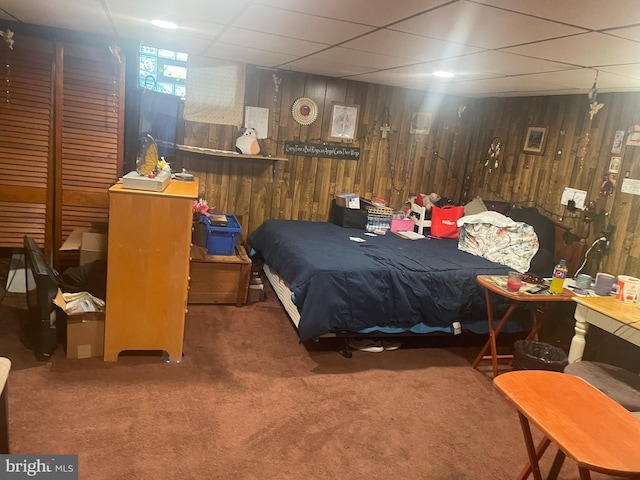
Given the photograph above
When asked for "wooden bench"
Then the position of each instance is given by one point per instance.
(590, 428)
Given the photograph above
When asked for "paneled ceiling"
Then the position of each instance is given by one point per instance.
(494, 47)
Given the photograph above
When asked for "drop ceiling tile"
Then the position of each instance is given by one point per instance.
(632, 71)
(309, 65)
(588, 50)
(56, 14)
(267, 41)
(249, 55)
(482, 26)
(373, 12)
(357, 57)
(504, 86)
(406, 76)
(631, 33)
(585, 76)
(591, 14)
(218, 11)
(407, 45)
(500, 63)
(298, 25)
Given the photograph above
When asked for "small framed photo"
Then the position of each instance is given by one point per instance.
(420, 123)
(614, 164)
(535, 140)
(617, 142)
(344, 122)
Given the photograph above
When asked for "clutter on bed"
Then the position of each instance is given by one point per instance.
(444, 221)
(348, 217)
(348, 200)
(475, 206)
(498, 238)
(378, 215)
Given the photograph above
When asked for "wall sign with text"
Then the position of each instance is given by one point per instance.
(340, 152)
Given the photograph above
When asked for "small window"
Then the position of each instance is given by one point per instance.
(163, 70)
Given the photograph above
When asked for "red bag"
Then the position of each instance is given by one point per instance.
(444, 221)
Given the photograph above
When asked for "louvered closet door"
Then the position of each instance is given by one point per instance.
(26, 122)
(89, 142)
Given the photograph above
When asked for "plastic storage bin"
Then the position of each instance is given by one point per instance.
(222, 240)
(533, 355)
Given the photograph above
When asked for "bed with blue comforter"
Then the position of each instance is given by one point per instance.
(385, 283)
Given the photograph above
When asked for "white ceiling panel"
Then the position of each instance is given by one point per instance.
(630, 33)
(376, 12)
(632, 71)
(249, 55)
(588, 50)
(267, 41)
(591, 14)
(309, 65)
(356, 57)
(408, 46)
(298, 25)
(496, 63)
(55, 14)
(495, 47)
(483, 26)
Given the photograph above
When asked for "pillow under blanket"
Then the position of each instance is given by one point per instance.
(498, 238)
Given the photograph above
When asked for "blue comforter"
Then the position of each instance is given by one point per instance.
(386, 281)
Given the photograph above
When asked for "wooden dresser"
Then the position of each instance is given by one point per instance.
(148, 269)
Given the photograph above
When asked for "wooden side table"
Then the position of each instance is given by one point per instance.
(220, 278)
(491, 284)
(591, 429)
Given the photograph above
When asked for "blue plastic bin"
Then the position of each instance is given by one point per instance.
(222, 240)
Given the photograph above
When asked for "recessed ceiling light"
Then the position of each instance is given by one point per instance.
(443, 74)
(164, 24)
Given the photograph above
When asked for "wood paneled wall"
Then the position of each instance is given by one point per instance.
(450, 160)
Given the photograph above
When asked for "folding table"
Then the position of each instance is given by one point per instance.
(497, 285)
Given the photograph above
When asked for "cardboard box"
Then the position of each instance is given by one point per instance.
(85, 332)
(91, 244)
(348, 200)
(85, 335)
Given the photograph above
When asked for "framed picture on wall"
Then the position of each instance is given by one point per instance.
(344, 122)
(535, 140)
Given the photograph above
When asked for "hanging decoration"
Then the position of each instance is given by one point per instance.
(304, 111)
(493, 153)
(116, 51)
(8, 37)
(592, 95)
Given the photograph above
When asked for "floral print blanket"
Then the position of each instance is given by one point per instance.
(498, 238)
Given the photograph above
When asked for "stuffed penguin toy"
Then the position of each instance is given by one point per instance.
(247, 142)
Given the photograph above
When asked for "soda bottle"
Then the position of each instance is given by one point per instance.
(559, 274)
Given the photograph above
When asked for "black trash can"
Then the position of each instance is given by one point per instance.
(533, 355)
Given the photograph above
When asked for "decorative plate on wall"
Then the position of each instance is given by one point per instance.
(304, 111)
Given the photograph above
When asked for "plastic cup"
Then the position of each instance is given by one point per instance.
(514, 281)
(627, 288)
